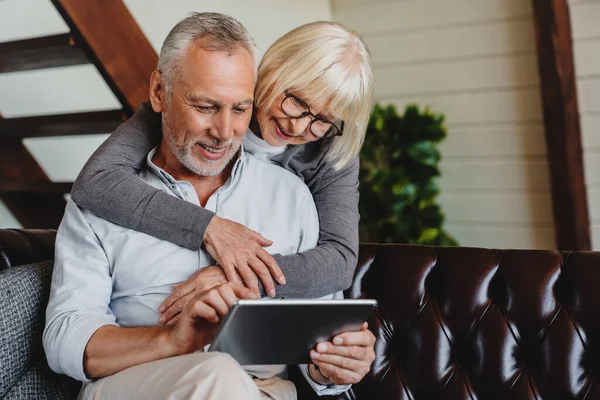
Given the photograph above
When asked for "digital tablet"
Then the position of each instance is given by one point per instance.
(258, 332)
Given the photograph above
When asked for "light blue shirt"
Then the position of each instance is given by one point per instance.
(105, 274)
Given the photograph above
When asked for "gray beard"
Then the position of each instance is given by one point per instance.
(206, 167)
(184, 154)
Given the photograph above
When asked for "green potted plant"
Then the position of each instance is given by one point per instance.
(399, 167)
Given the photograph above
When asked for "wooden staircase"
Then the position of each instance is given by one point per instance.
(103, 33)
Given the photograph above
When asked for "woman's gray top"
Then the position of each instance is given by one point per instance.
(109, 187)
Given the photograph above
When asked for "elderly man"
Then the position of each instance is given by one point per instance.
(102, 323)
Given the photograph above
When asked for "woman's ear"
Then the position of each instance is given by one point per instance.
(157, 91)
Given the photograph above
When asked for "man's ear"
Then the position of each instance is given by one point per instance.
(157, 91)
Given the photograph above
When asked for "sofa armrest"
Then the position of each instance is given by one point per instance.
(23, 301)
(24, 292)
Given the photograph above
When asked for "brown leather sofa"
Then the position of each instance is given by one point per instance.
(452, 323)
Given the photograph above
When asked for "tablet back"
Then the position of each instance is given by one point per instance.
(259, 332)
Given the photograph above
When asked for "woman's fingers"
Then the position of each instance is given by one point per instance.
(264, 275)
(272, 265)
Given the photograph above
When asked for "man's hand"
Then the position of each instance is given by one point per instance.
(202, 280)
(202, 315)
(239, 249)
(344, 361)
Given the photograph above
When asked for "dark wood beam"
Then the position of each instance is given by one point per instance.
(561, 120)
(32, 210)
(62, 125)
(114, 42)
(37, 53)
(35, 187)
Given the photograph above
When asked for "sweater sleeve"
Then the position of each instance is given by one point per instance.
(109, 187)
(329, 267)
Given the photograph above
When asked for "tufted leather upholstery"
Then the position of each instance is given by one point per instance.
(467, 323)
(18, 247)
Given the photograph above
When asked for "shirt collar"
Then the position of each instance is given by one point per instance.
(169, 180)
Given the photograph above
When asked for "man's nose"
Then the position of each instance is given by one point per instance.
(224, 127)
(299, 125)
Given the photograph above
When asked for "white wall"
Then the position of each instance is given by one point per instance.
(585, 20)
(475, 62)
(81, 88)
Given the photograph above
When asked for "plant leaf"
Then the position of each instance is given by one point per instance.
(424, 153)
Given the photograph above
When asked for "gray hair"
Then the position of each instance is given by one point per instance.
(211, 31)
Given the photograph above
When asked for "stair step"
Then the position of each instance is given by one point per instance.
(62, 124)
(36, 187)
(43, 52)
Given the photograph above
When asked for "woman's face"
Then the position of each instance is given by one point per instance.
(278, 129)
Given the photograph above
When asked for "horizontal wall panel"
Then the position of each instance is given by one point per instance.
(590, 132)
(585, 22)
(594, 204)
(595, 233)
(453, 42)
(494, 140)
(518, 208)
(488, 107)
(457, 75)
(589, 95)
(404, 15)
(585, 17)
(346, 4)
(475, 62)
(591, 161)
(495, 175)
(491, 236)
(587, 58)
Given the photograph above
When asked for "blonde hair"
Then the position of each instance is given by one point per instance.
(331, 66)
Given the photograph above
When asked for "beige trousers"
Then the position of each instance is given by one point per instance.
(197, 376)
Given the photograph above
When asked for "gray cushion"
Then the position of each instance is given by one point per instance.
(24, 373)
(40, 383)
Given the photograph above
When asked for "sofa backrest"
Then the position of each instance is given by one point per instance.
(19, 246)
(467, 323)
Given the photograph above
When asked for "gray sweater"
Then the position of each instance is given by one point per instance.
(109, 187)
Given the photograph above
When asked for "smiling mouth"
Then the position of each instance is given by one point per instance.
(212, 149)
(281, 130)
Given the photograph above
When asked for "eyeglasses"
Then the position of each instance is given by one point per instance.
(295, 107)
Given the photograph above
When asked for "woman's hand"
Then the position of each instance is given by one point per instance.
(239, 250)
(345, 360)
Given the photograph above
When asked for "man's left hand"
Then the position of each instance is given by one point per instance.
(202, 280)
(345, 360)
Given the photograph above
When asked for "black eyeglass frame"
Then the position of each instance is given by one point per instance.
(336, 131)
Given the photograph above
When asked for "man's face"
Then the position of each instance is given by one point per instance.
(209, 109)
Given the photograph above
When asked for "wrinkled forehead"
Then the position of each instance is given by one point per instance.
(228, 74)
